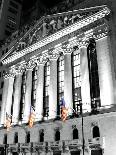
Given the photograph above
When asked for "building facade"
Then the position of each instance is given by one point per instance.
(10, 12)
(68, 56)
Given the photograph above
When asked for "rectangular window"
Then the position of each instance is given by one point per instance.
(13, 4)
(46, 88)
(93, 75)
(2, 84)
(76, 81)
(11, 28)
(12, 11)
(34, 84)
(60, 81)
(23, 90)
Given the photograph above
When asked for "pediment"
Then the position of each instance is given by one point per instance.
(51, 25)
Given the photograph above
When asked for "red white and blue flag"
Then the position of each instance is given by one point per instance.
(64, 110)
(32, 117)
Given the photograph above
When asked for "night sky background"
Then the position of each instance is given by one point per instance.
(47, 3)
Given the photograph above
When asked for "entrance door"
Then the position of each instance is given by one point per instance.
(57, 153)
(75, 152)
(96, 152)
(14, 153)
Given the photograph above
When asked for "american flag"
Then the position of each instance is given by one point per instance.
(31, 117)
(64, 110)
(8, 121)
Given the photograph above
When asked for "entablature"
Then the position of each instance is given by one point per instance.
(76, 34)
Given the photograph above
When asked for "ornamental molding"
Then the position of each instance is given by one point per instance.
(67, 50)
(18, 69)
(42, 60)
(31, 64)
(56, 36)
(54, 53)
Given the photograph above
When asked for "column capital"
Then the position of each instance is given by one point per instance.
(53, 54)
(102, 32)
(72, 42)
(9, 75)
(31, 64)
(82, 43)
(18, 68)
(67, 49)
(41, 61)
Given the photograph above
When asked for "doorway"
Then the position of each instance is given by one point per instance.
(75, 152)
(96, 152)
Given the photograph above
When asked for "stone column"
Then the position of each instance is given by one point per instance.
(17, 97)
(27, 104)
(85, 85)
(68, 80)
(106, 72)
(7, 96)
(5, 92)
(39, 91)
(53, 87)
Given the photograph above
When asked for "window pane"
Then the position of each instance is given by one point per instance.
(76, 80)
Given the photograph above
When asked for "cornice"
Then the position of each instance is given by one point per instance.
(72, 28)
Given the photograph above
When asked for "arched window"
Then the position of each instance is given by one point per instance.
(41, 136)
(5, 139)
(75, 134)
(96, 132)
(28, 137)
(16, 138)
(57, 135)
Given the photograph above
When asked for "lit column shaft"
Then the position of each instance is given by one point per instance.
(17, 97)
(68, 80)
(85, 85)
(9, 95)
(39, 92)
(5, 97)
(53, 89)
(105, 71)
(27, 96)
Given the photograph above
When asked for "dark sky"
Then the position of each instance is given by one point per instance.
(47, 3)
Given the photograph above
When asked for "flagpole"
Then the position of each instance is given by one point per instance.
(83, 140)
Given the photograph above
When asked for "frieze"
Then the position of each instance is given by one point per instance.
(57, 35)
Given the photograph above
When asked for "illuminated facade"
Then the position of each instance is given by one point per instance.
(67, 55)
